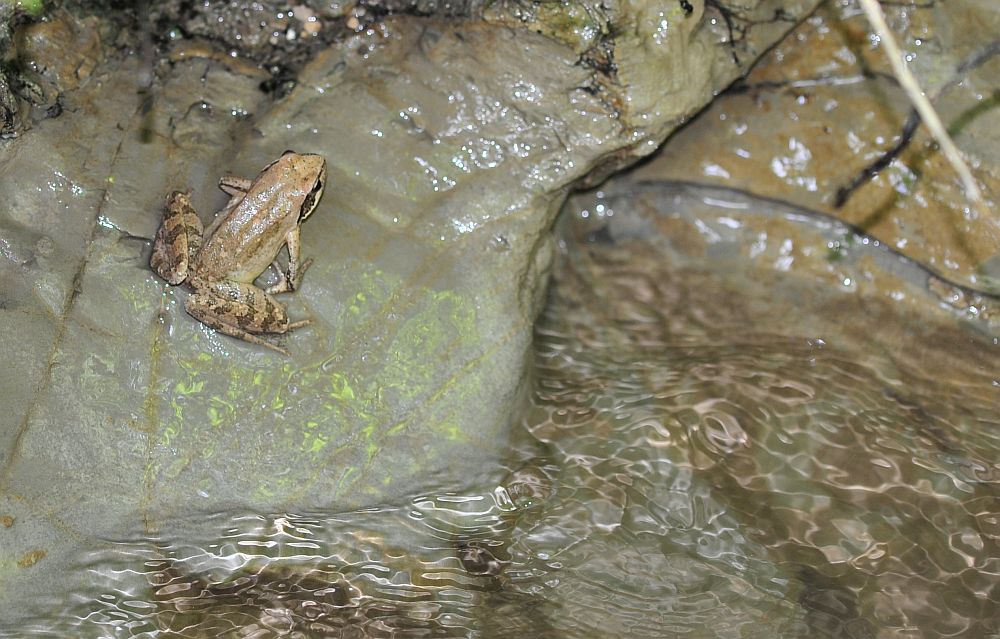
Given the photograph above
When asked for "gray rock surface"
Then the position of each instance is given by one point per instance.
(451, 145)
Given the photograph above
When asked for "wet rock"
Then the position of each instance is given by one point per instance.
(64, 50)
(8, 109)
(278, 35)
(478, 559)
(47, 59)
(528, 486)
(10, 126)
(823, 107)
(449, 149)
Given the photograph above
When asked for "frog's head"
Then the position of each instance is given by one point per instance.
(305, 173)
(313, 166)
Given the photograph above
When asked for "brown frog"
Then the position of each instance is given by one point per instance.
(221, 263)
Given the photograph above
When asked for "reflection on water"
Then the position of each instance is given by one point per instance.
(747, 422)
(765, 437)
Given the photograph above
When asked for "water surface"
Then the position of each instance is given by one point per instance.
(747, 421)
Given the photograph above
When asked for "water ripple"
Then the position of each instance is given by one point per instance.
(717, 445)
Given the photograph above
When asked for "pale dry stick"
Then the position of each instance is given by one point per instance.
(873, 10)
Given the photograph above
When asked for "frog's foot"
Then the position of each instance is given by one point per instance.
(288, 281)
(242, 311)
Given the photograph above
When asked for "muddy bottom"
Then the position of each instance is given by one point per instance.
(747, 421)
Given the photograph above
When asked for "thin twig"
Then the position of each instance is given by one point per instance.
(906, 135)
(923, 106)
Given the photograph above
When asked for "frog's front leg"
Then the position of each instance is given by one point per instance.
(289, 281)
(240, 310)
(235, 185)
(177, 240)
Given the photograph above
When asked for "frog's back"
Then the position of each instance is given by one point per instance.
(253, 229)
(247, 241)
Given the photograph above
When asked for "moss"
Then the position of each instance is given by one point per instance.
(33, 8)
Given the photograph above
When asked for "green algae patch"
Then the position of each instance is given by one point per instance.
(332, 429)
(314, 440)
(34, 8)
(451, 430)
(340, 388)
(433, 334)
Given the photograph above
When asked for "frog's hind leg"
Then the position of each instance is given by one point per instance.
(177, 240)
(242, 311)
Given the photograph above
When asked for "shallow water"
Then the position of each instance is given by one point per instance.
(780, 425)
(747, 421)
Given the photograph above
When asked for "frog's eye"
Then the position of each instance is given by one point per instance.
(311, 199)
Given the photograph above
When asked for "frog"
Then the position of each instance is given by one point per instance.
(221, 263)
